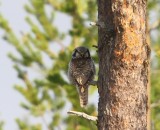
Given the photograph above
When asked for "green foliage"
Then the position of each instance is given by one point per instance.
(153, 6)
(25, 126)
(51, 93)
(1, 125)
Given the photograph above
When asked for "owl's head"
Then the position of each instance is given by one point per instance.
(80, 52)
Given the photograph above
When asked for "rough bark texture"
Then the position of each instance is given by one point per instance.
(123, 65)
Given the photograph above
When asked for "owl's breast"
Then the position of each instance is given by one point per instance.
(81, 63)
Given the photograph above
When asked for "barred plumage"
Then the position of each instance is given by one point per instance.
(81, 71)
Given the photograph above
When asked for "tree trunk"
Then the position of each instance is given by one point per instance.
(123, 65)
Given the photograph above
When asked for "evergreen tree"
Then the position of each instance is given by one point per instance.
(51, 93)
(154, 31)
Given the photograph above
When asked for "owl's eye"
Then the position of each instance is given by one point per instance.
(87, 54)
(74, 54)
(77, 54)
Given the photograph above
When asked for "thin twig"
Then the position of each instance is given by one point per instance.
(155, 25)
(60, 43)
(155, 71)
(82, 114)
(98, 24)
(156, 104)
(94, 24)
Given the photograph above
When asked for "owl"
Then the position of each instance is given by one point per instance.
(81, 72)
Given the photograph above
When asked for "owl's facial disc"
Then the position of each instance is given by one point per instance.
(81, 54)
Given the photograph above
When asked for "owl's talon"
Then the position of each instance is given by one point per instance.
(94, 83)
(95, 46)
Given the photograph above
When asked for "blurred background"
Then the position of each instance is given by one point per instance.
(37, 38)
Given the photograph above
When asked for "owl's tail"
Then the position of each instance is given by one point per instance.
(83, 96)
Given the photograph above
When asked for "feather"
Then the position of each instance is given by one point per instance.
(81, 71)
(83, 96)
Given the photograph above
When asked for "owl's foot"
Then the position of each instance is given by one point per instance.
(94, 83)
(95, 46)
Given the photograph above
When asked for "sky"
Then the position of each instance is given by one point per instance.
(9, 98)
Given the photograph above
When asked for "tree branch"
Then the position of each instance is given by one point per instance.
(156, 104)
(82, 114)
(155, 71)
(155, 25)
(94, 24)
(98, 24)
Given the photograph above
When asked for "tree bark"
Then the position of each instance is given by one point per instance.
(123, 65)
